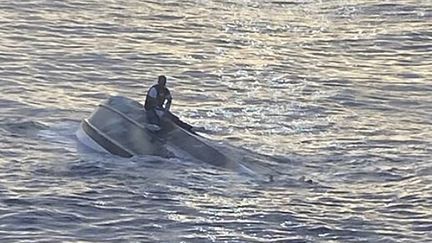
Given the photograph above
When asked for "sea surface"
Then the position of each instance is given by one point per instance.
(334, 98)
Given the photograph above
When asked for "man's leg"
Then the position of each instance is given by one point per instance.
(152, 117)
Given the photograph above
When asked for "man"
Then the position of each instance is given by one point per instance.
(155, 101)
(158, 103)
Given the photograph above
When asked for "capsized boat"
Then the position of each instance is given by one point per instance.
(119, 126)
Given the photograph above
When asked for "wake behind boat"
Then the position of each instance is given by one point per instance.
(120, 126)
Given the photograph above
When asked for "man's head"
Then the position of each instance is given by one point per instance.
(162, 80)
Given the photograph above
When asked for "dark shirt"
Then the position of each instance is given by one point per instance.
(156, 97)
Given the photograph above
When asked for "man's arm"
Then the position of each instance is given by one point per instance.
(168, 103)
(152, 95)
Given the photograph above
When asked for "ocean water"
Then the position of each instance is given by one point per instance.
(333, 97)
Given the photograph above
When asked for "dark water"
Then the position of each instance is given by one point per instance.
(334, 97)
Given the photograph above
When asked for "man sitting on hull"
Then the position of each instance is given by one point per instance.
(158, 103)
